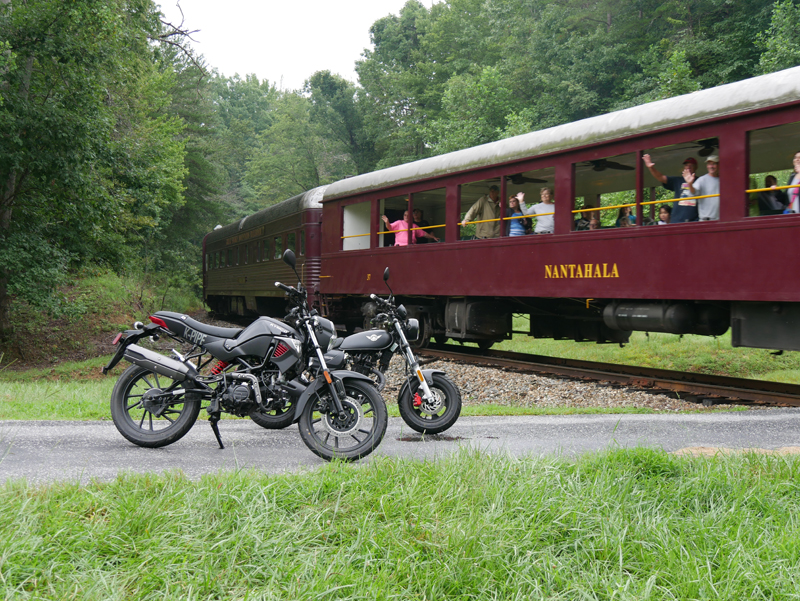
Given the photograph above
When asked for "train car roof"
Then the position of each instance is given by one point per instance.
(290, 206)
(750, 94)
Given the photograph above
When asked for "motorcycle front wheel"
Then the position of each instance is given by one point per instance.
(351, 438)
(152, 410)
(430, 417)
(274, 418)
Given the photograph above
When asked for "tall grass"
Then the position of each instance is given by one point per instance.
(635, 524)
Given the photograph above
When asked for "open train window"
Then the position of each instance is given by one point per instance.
(278, 247)
(668, 198)
(355, 225)
(265, 250)
(229, 262)
(536, 212)
(290, 241)
(605, 193)
(773, 170)
(246, 253)
(429, 216)
(257, 251)
(394, 227)
(480, 209)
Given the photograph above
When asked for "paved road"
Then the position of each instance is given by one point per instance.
(50, 451)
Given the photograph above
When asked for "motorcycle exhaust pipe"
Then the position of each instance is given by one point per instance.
(163, 366)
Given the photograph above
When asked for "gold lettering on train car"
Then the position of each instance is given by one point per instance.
(578, 271)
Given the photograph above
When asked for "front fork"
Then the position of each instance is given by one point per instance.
(412, 362)
(336, 387)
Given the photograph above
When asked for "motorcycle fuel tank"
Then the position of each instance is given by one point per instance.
(371, 340)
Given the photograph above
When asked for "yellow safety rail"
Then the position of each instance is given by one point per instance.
(584, 210)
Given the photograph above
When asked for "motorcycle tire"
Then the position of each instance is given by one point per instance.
(273, 419)
(350, 439)
(431, 418)
(144, 418)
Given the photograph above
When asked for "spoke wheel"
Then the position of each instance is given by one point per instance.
(351, 437)
(430, 416)
(146, 411)
(274, 418)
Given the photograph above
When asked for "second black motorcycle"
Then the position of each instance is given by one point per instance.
(429, 401)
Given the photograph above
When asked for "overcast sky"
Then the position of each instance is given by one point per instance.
(283, 41)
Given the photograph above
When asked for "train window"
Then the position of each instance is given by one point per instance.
(667, 196)
(302, 242)
(393, 230)
(257, 251)
(265, 250)
(278, 247)
(246, 253)
(229, 262)
(290, 242)
(355, 225)
(538, 187)
(478, 210)
(773, 169)
(605, 193)
(216, 260)
(429, 215)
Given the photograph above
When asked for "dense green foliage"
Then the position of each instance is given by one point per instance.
(625, 524)
(120, 147)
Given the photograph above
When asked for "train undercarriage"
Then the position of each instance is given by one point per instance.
(773, 325)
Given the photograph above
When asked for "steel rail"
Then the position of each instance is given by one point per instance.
(690, 386)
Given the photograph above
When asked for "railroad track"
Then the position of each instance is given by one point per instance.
(689, 386)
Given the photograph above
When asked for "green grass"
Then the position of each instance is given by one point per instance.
(701, 354)
(634, 524)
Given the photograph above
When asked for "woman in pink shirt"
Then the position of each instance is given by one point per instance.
(401, 226)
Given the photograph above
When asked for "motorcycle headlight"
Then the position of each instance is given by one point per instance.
(332, 343)
(325, 331)
(412, 329)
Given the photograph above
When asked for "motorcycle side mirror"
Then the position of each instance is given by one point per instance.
(386, 280)
(289, 258)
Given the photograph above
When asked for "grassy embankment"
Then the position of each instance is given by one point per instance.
(635, 524)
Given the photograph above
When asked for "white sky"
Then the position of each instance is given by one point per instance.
(282, 41)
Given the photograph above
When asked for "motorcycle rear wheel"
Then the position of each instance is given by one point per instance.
(350, 439)
(274, 419)
(431, 417)
(146, 413)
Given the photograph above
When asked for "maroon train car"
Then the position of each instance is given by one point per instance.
(702, 277)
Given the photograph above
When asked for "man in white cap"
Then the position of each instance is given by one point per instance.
(707, 208)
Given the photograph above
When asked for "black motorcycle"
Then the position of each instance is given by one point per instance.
(428, 401)
(272, 371)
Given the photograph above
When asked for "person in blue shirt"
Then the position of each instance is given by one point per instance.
(682, 210)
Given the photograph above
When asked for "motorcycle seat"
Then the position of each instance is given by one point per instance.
(203, 328)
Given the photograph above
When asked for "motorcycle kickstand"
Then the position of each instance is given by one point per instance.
(213, 418)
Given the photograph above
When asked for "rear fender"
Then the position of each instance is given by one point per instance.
(426, 373)
(130, 337)
(340, 374)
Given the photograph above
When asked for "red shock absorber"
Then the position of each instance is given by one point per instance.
(217, 369)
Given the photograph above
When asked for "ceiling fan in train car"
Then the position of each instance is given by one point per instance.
(520, 179)
(603, 164)
(707, 147)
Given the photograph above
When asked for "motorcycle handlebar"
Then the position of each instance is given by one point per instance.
(284, 287)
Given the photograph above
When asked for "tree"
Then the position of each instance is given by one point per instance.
(87, 152)
(293, 155)
(334, 108)
(780, 44)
